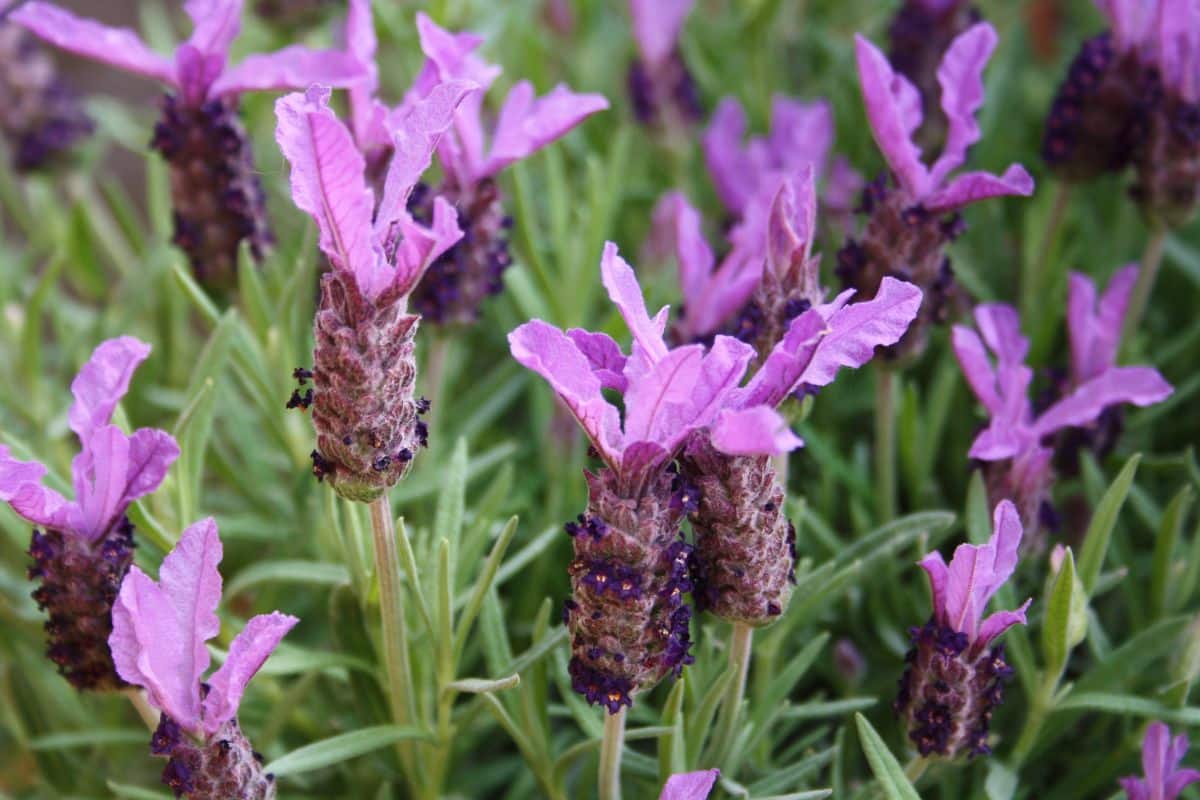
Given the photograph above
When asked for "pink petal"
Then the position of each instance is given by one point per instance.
(753, 431)
(894, 110)
(1111, 312)
(1095, 332)
(216, 22)
(971, 187)
(622, 285)
(1141, 386)
(118, 47)
(856, 330)
(656, 27)
(247, 653)
(999, 622)
(960, 76)
(1000, 327)
(801, 134)
(785, 366)
(604, 355)
(659, 403)
(294, 67)
(999, 441)
(366, 113)
(102, 382)
(1179, 781)
(970, 568)
(1130, 20)
(1006, 539)
(690, 785)
(420, 246)
(1135, 788)
(527, 124)
(549, 352)
(721, 371)
(1155, 753)
(101, 470)
(939, 576)
(151, 453)
(733, 175)
(453, 54)
(977, 369)
(681, 226)
(21, 487)
(791, 229)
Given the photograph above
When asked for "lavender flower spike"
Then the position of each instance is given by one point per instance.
(660, 86)
(690, 785)
(158, 642)
(82, 548)
(1161, 755)
(215, 188)
(364, 410)
(910, 223)
(955, 678)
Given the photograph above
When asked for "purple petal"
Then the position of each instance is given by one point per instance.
(1006, 539)
(1095, 333)
(247, 652)
(791, 228)
(21, 487)
(1155, 754)
(420, 246)
(721, 371)
(659, 400)
(857, 329)
(894, 111)
(971, 567)
(453, 54)
(367, 114)
(294, 67)
(1175, 38)
(547, 351)
(656, 27)
(1000, 327)
(960, 76)
(102, 382)
(753, 431)
(999, 622)
(216, 22)
(604, 355)
(118, 47)
(801, 133)
(680, 225)
(939, 576)
(1135, 788)
(100, 471)
(1130, 20)
(977, 369)
(1141, 386)
(527, 124)
(733, 174)
(786, 364)
(971, 187)
(151, 453)
(690, 785)
(622, 285)
(191, 585)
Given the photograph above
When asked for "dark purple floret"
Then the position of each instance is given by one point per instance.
(664, 94)
(221, 767)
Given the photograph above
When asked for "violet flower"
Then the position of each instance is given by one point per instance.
(910, 222)
(158, 642)
(660, 87)
(364, 410)
(215, 188)
(82, 548)
(628, 620)
(955, 678)
(1161, 756)
(1017, 461)
(690, 785)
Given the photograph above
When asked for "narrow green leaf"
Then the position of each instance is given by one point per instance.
(1099, 532)
(309, 573)
(1164, 550)
(482, 584)
(125, 790)
(337, 749)
(101, 736)
(1066, 621)
(478, 685)
(1129, 705)
(887, 769)
(671, 747)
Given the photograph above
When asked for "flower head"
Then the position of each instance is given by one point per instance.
(1161, 756)
(690, 785)
(660, 85)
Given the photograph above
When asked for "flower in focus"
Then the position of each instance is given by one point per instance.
(955, 678)
(910, 222)
(82, 548)
(1161, 756)
(215, 188)
(660, 86)
(690, 785)
(158, 642)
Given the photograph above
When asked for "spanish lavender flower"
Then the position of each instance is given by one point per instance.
(215, 189)
(1017, 462)
(910, 222)
(918, 37)
(628, 620)
(41, 117)
(158, 641)
(660, 87)
(955, 678)
(365, 414)
(82, 548)
(690, 785)
(1161, 756)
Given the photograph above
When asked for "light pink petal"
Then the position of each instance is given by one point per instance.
(1006, 539)
(1155, 753)
(453, 54)
(690, 785)
(216, 24)
(753, 431)
(100, 471)
(656, 27)
(659, 402)
(247, 652)
(118, 47)
(733, 175)
(730, 286)
(977, 369)
(21, 487)
(550, 353)
(680, 226)
(960, 76)
(151, 453)
(102, 382)
(939, 576)
(971, 187)
(1000, 621)
(294, 67)
(801, 133)
(192, 586)
(721, 371)
(791, 229)
(857, 329)
(784, 368)
(527, 124)
(1000, 327)
(604, 355)
(1130, 20)
(894, 110)
(622, 285)
(1141, 386)
(327, 182)
(970, 569)
(420, 246)
(366, 113)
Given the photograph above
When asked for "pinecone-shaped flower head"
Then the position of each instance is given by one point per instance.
(159, 635)
(1162, 777)
(82, 548)
(215, 189)
(661, 88)
(364, 409)
(911, 220)
(955, 678)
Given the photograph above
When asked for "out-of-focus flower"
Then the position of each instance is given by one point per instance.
(363, 405)
(690, 785)
(660, 86)
(41, 117)
(215, 188)
(1161, 756)
(292, 12)
(1018, 462)
(158, 642)
(910, 222)
(82, 548)
(955, 678)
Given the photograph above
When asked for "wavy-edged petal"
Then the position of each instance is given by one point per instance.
(247, 653)
(997, 623)
(623, 289)
(528, 123)
(1141, 386)
(960, 77)
(785, 366)
(656, 27)
(971, 187)
(690, 785)
(858, 328)
(21, 487)
(760, 430)
(293, 67)
(151, 454)
(604, 355)
(102, 382)
(894, 110)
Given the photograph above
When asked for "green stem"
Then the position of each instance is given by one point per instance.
(1039, 705)
(731, 703)
(1033, 278)
(885, 442)
(610, 756)
(149, 715)
(915, 768)
(1147, 274)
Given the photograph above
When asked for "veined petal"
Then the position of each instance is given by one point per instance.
(791, 229)
(690, 785)
(894, 111)
(527, 124)
(21, 487)
(1000, 621)
(151, 453)
(656, 27)
(101, 471)
(294, 67)
(760, 430)
(622, 285)
(1141, 386)
(420, 246)
(217, 23)
(971, 187)
(939, 576)
(785, 366)
(102, 382)
(604, 355)
(247, 653)
(659, 402)
(960, 77)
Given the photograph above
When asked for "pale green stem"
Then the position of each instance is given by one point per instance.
(915, 768)
(1039, 705)
(610, 756)
(885, 442)
(1151, 260)
(731, 703)
(148, 713)
(1034, 277)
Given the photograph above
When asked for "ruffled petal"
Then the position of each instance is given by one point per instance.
(623, 289)
(294, 67)
(960, 77)
(604, 355)
(760, 430)
(247, 653)
(1141, 386)
(971, 187)
(21, 487)
(527, 124)
(690, 785)
(894, 110)
(102, 382)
